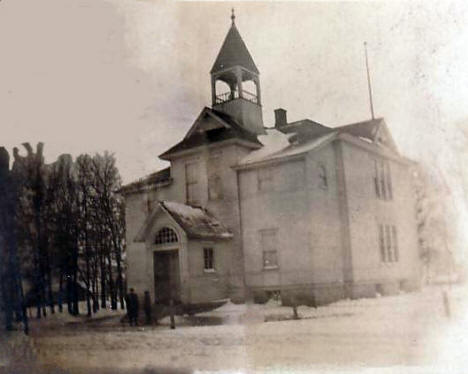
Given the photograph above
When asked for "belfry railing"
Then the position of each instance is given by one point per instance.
(232, 95)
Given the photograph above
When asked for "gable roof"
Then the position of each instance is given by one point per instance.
(159, 177)
(304, 125)
(227, 128)
(196, 222)
(365, 129)
(234, 52)
(296, 138)
(374, 130)
(277, 146)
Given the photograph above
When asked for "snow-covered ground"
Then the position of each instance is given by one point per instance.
(406, 333)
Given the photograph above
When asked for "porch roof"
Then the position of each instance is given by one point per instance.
(195, 221)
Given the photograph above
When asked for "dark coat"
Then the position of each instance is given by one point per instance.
(132, 304)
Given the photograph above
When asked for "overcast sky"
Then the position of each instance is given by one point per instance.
(131, 76)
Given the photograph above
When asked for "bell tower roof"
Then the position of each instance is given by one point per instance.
(234, 52)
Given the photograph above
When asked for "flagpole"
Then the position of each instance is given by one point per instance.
(369, 82)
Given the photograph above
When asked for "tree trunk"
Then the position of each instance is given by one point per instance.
(120, 279)
(111, 285)
(103, 280)
(60, 293)
(69, 295)
(95, 292)
(75, 294)
(88, 300)
(49, 285)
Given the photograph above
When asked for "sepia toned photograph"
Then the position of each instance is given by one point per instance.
(233, 187)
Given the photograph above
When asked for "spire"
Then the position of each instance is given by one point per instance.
(234, 52)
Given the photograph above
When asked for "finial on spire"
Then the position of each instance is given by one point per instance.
(233, 16)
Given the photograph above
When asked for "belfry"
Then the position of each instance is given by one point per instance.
(235, 83)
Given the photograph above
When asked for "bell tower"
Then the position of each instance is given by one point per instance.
(235, 83)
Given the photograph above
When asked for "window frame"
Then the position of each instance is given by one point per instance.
(167, 232)
(215, 182)
(265, 179)
(388, 243)
(270, 250)
(192, 183)
(209, 259)
(382, 179)
(323, 177)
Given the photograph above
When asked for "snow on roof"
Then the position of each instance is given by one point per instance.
(158, 177)
(196, 221)
(276, 146)
(273, 141)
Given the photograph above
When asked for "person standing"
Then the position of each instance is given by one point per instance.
(132, 307)
(147, 308)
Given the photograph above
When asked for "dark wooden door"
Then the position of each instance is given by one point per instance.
(166, 276)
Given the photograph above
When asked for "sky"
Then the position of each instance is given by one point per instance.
(131, 76)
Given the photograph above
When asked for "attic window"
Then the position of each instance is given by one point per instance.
(166, 235)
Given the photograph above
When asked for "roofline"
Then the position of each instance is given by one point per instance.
(195, 123)
(359, 122)
(194, 236)
(338, 136)
(172, 155)
(225, 70)
(140, 237)
(331, 136)
(270, 161)
(144, 187)
(298, 122)
(373, 149)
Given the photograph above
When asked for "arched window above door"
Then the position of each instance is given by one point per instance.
(166, 235)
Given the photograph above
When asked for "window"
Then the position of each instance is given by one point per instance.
(395, 244)
(388, 243)
(166, 235)
(215, 183)
(208, 259)
(265, 179)
(191, 183)
(215, 187)
(292, 176)
(382, 180)
(149, 205)
(323, 180)
(383, 252)
(270, 253)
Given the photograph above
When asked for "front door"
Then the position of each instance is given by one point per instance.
(166, 276)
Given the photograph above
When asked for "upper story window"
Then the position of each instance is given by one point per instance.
(166, 235)
(192, 187)
(388, 243)
(265, 179)
(269, 248)
(323, 178)
(215, 183)
(383, 180)
(150, 204)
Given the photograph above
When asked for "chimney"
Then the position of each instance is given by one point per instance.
(280, 118)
